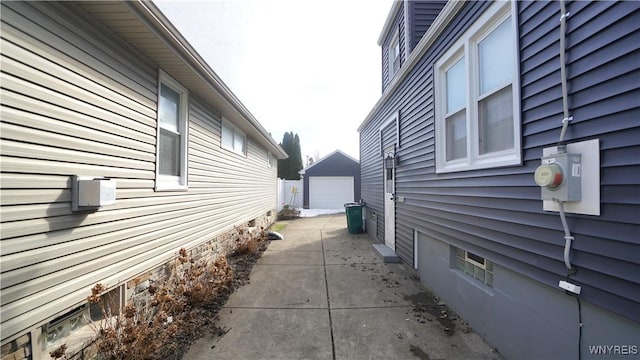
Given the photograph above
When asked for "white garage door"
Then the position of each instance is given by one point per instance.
(330, 192)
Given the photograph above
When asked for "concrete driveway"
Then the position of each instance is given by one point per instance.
(323, 293)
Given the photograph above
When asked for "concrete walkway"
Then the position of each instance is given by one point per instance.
(323, 293)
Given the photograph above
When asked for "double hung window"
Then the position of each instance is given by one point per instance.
(171, 166)
(394, 55)
(477, 92)
(233, 138)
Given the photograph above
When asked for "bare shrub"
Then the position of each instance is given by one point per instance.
(146, 331)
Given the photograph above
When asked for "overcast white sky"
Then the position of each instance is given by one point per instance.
(311, 67)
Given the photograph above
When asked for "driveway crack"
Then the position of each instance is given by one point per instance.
(326, 285)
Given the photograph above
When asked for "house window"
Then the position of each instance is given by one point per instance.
(233, 138)
(171, 166)
(76, 328)
(270, 160)
(394, 55)
(475, 266)
(477, 96)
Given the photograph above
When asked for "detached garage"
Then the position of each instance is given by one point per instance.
(331, 182)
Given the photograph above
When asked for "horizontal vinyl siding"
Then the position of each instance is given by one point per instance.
(70, 107)
(371, 173)
(245, 186)
(422, 14)
(497, 213)
(604, 88)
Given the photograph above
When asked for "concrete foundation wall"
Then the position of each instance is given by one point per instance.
(522, 318)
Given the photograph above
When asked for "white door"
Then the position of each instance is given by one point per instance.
(389, 206)
(330, 192)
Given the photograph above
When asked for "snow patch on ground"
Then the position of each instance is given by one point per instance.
(318, 212)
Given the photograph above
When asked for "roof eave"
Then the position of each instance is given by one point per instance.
(397, 4)
(337, 151)
(232, 108)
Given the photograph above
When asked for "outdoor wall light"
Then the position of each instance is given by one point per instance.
(390, 161)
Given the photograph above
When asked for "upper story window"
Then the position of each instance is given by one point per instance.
(394, 55)
(477, 96)
(233, 138)
(171, 163)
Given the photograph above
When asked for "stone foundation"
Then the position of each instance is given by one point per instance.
(17, 349)
(222, 245)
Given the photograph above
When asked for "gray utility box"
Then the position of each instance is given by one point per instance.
(90, 193)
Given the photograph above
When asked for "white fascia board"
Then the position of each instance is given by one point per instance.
(389, 22)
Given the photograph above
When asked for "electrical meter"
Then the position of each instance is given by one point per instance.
(559, 176)
(549, 175)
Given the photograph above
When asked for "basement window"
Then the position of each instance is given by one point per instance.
(475, 266)
(76, 328)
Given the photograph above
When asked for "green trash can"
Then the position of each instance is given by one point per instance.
(354, 217)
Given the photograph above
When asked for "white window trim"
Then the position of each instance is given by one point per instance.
(167, 182)
(235, 130)
(488, 21)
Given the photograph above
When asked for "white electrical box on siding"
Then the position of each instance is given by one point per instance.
(590, 204)
(89, 193)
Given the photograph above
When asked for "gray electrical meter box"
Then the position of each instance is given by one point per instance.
(89, 193)
(559, 176)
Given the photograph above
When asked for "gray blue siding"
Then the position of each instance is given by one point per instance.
(497, 213)
(421, 16)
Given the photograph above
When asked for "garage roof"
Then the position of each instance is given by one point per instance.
(303, 171)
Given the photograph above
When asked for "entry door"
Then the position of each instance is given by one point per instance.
(389, 205)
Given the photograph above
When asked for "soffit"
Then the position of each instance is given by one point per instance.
(143, 26)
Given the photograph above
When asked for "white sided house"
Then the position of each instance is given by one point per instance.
(112, 93)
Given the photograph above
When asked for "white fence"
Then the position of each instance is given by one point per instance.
(290, 192)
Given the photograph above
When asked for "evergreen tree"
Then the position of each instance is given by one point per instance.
(296, 162)
(288, 168)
